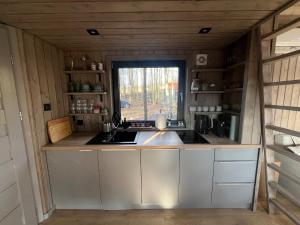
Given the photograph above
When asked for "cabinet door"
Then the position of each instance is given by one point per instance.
(74, 179)
(236, 171)
(196, 174)
(232, 195)
(120, 179)
(160, 178)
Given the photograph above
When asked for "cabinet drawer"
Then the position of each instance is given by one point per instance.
(237, 195)
(239, 171)
(235, 155)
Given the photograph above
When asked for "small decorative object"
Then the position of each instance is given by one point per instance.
(193, 108)
(96, 109)
(219, 108)
(93, 66)
(71, 86)
(98, 87)
(83, 62)
(204, 86)
(73, 108)
(212, 108)
(195, 85)
(104, 111)
(201, 59)
(100, 66)
(76, 86)
(91, 106)
(85, 87)
(69, 63)
(205, 108)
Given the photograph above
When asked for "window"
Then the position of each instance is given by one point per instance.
(142, 89)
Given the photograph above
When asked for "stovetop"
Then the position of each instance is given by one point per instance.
(191, 137)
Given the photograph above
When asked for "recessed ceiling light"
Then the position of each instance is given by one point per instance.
(92, 32)
(205, 30)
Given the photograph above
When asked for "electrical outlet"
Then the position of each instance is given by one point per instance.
(47, 107)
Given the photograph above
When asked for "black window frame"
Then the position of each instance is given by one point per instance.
(181, 64)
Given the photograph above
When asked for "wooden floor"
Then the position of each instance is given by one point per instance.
(166, 217)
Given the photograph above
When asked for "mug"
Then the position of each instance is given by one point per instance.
(193, 108)
(199, 108)
(219, 108)
(212, 108)
(205, 108)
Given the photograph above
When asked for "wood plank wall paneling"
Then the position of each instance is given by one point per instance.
(43, 67)
(215, 61)
(285, 95)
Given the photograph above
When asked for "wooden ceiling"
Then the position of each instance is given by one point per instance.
(148, 24)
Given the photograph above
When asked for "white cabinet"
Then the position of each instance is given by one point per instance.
(160, 178)
(236, 171)
(74, 179)
(120, 179)
(196, 172)
(234, 178)
(232, 195)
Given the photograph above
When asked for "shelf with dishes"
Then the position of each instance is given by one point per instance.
(207, 92)
(87, 72)
(88, 114)
(86, 93)
(197, 70)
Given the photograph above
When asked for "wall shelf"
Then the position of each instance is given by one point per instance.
(195, 70)
(242, 63)
(84, 71)
(207, 92)
(232, 112)
(86, 93)
(233, 89)
(207, 113)
(88, 114)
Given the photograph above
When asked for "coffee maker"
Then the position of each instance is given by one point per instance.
(202, 124)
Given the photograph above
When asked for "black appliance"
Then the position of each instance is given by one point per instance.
(191, 137)
(202, 124)
(221, 125)
(117, 137)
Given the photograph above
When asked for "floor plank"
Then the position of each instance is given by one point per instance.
(166, 217)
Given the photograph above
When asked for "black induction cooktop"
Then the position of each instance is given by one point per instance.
(191, 137)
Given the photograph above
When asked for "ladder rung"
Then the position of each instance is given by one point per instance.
(285, 193)
(283, 209)
(291, 25)
(283, 130)
(283, 107)
(284, 151)
(280, 57)
(292, 177)
(287, 82)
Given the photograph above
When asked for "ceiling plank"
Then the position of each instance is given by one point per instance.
(138, 6)
(146, 16)
(140, 31)
(230, 24)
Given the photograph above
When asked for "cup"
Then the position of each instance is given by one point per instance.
(193, 108)
(205, 108)
(212, 108)
(219, 108)
(199, 108)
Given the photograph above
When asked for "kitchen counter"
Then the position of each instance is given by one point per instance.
(146, 140)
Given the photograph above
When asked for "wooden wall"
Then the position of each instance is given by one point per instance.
(44, 83)
(215, 60)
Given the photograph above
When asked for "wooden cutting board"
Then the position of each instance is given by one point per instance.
(59, 129)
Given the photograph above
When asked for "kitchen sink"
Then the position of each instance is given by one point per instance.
(116, 137)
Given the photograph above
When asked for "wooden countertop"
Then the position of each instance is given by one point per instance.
(146, 140)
